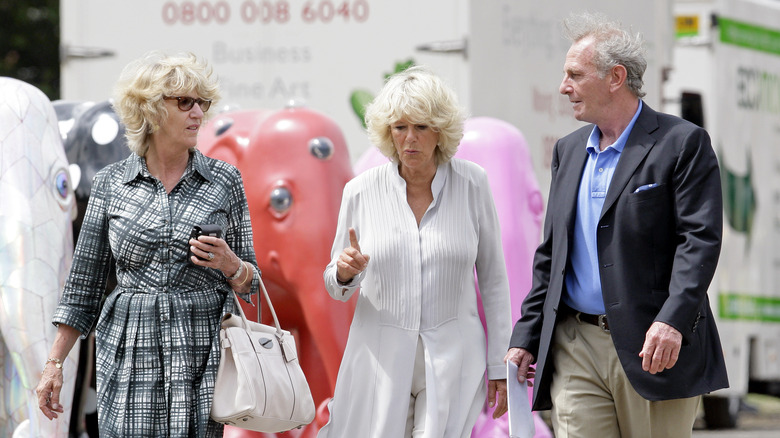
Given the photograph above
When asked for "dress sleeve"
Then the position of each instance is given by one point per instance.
(239, 235)
(493, 281)
(86, 281)
(527, 331)
(347, 216)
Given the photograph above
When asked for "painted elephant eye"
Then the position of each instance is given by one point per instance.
(61, 183)
(61, 187)
(105, 130)
(281, 200)
(223, 125)
(321, 147)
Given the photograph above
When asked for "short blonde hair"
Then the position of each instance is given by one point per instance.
(419, 97)
(138, 95)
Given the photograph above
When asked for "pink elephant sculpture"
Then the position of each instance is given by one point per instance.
(294, 163)
(502, 151)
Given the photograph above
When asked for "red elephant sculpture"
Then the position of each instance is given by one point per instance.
(294, 163)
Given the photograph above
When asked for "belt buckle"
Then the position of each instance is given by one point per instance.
(603, 323)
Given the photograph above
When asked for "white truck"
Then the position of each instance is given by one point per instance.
(503, 57)
(516, 55)
(726, 77)
(265, 52)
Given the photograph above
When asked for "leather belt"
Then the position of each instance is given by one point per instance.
(597, 320)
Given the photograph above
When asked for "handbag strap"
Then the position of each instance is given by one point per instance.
(279, 333)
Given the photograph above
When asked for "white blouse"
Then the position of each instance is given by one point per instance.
(420, 285)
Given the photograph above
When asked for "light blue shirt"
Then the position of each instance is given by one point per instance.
(583, 282)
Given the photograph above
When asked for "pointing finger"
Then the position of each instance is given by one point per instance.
(353, 241)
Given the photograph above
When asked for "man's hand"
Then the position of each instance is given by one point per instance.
(523, 359)
(661, 348)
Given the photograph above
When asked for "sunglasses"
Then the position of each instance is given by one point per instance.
(186, 103)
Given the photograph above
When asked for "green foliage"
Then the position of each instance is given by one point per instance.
(359, 99)
(29, 43)
(399, 67)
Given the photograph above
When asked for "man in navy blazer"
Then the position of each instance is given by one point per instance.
(617, 321)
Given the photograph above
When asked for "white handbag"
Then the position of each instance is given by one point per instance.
(260, 385)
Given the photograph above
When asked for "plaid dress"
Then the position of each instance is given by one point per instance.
(157, 343)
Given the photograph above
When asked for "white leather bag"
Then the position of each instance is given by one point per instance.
(260, 384)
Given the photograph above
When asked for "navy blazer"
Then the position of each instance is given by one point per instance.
(657, 252)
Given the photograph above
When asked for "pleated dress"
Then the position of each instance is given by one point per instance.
(157, 346)
(419, 287)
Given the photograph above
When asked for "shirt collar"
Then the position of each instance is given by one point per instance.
(438, 181)
(595, 135)
(442, 170)
(136, 166)
(199, 163)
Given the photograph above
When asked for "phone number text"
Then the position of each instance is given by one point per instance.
(263, 11)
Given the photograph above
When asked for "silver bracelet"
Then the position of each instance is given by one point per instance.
(238, 272)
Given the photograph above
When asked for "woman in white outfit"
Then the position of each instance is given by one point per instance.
(417, 353)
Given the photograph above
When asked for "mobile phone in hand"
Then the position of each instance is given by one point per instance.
(202, 230)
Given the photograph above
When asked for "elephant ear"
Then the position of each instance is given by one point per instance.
(360, 100)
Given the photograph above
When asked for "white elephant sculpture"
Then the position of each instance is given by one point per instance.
(36, 249)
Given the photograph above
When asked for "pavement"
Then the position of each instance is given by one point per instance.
(759, 418)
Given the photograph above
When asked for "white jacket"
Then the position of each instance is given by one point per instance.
(420, 284)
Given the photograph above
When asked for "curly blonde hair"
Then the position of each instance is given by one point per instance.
(419, 97)
(138, 95)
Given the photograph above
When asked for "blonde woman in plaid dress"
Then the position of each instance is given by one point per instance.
(157, 332)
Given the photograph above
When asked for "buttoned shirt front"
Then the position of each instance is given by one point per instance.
(583, 282)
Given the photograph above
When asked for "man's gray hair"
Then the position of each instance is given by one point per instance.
(613, 46)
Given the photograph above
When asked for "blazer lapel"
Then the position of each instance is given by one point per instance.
(637, 147)
(570, 172)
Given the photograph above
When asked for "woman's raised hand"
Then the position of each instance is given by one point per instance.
(351, 261)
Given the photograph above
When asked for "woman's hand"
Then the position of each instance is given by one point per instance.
(50, 385)
(351, 262)
(218, 255)
(497, 397)
(48, 391)
(214, 253)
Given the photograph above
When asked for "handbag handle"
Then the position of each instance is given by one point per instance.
(279, 333)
